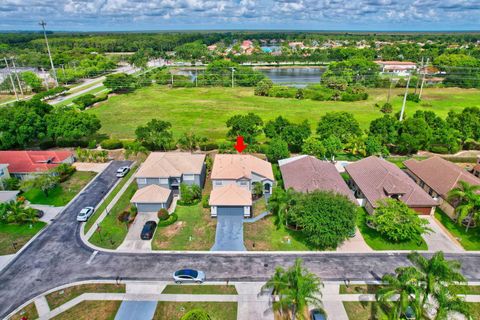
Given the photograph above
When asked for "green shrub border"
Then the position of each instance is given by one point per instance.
(171, 220)
(180, 202)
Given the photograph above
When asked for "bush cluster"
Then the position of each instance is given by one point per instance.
(88, 100)
(111, 144)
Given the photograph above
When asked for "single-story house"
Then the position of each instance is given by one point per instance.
(152, 198)
(306, 174)
(24, 163)
(233, 178)
(8, 196)
(437, 177)
(374, 179)
(160, 176)
(399, 68)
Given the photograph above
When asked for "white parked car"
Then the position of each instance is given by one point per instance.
(188, 275)
(122, 171)
(85, 213)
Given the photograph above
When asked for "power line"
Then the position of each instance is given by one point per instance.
(43, 24)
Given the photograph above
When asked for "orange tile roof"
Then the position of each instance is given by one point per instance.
(236, 166)
(151, 194)
(171, 164)
(230, 195)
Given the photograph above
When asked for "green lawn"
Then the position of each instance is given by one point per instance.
(62, 193)
(194, 230)
(113, 232)
(98, 212)
(216, 310)
(6, 97)
(88, 310)
(199, 289)
(14, 236)
(359, 289)
(207, 109)
(29, 312)
(363, 310)
(469, 240)
(378, 242)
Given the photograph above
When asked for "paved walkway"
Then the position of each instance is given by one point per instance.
(132, 240)
(255, 219)
(355, 244)
(438, 239)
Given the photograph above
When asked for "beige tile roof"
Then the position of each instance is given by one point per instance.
(236, 166)
(230, 195)
(170, 164)
(439, 174)
(151, 194)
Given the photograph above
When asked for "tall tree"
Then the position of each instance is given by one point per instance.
(249, 126)
(466, 198)
(339, 124)
(155, 135)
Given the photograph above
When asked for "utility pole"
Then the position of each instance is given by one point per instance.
(404, 99)
(11, 79)
(18, 79)
(43, 24)
(172, 79)
(389, 90)
(416, 84)
(196, 77)
(233, 77)
(423, 80)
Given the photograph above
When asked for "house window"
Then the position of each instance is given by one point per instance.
(188, 177)
(218, 183)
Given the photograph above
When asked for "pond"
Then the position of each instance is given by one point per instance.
(299, 76)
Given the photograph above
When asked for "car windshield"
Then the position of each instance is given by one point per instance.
(187, 272)
(84, 211)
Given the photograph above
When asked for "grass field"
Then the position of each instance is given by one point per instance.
(6, 97)
(62, 193)
(205, 110)
(469, 240)
(216, 310)
(199, 289)
(88, 310)
(11, 234)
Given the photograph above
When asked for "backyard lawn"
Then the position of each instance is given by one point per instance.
(14, 236)
(199, 289)
(469, 240)
(207, 109)
(378, 242)
(62, 193)
(87, 310)
(364, 310)
(216, 310)
(113, 232)
(194, 230)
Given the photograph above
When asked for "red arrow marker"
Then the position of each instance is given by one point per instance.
(240, 146)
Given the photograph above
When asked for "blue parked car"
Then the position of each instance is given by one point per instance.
(318, 315)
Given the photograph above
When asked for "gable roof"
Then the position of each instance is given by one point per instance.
(307, 173)
(230, 195)
(151, 194)
(33, 161)
(439, 174)
(171, 164)
(237, 166)
(378, 179)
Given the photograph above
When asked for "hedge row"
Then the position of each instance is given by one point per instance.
(171, 220)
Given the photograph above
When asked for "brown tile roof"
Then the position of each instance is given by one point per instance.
(439, 174)
(236, 166)
(230, 195)
(151, 194)
(171, 164)
(306, 174)
(378, 178)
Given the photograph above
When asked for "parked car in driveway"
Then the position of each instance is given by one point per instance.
(189, 275)
(39, 213)
(85, 213)
(148, 230)
(316, 314)
(122, 171)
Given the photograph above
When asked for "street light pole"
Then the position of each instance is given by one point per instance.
(43, 24)
(11, 79)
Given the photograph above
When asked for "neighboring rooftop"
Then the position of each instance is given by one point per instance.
(230, 195)
(32, 161)
(439, 174)
(237, 166)
(398, 63)
(378, 179)
(151, 194)
(307, 174)
(171, 164)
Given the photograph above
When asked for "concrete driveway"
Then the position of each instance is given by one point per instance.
(355, 244)
(438, 239)
(132, 241)
(136, 310)
(50, 212)
(229, 234)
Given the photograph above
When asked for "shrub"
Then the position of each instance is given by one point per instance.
(196, 314)
(190, 194)
(413, 97)
(276, 150)
(111, 144)
(205, 200)
(47, 144)
(208, 146)
(439, 149)
(88, 100)
(64, 171)
(282, 92)
(50, 93)
(11, 183)
(62, 143)
(92, 144)
(387, 108)
(124, 216)
(263, 87)
(171, 219)
(163, 214)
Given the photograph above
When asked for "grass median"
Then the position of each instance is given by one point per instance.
(216, 310)
(199, 289)
(87, 310)
(15, 236)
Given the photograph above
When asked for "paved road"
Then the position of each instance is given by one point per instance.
(58, 257)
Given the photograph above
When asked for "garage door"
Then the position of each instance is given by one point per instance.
(230, 211)
(149, 207)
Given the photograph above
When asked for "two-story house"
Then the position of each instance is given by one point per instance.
(233, 179)
(160, 176)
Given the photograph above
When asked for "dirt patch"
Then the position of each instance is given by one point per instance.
(173, 229)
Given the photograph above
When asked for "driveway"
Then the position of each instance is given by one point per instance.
(132, 241)
(50, 212)
(136, 310)
(229, 234)
(355, 244)
(438, 239)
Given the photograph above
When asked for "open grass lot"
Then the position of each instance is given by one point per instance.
(98, 212)
(62, 193)
(193, 221)
(11, 234)
(29, 312)
(57, 298)
(205, 110)
(469, 240)
(377, 242)
(199, 289)
(6, 97)
(89, 310)
(364, 310)
(216, 310)
(263, 235)
(113, 232)
(359, 289)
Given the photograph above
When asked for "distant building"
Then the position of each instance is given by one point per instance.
(399, 68)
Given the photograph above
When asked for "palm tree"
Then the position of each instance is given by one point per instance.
(16, 212)
(449, 302)
(405, 285)
(468, 198)
(279, 204)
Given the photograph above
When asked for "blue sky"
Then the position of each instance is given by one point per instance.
(128, 15)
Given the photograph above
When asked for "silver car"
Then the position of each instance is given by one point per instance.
(188, 275)
(122, 171)
(85, 213)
